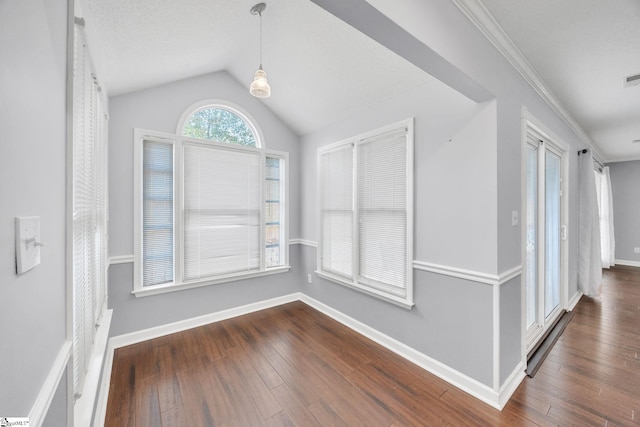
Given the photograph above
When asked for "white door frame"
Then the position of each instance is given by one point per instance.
(559, 147)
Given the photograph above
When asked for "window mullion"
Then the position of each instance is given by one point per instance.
(355, 274)
(178, 209)
(262, 219)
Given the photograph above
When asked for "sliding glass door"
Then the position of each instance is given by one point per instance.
(543, 250)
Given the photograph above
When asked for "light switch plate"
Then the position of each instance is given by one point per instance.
(515, 218)
(27, 243)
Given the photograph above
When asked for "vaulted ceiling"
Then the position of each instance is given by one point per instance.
(321, 69)
(583, 50)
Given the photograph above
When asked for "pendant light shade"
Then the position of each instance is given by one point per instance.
(260, 86)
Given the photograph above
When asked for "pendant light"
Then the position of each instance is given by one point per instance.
(260, 86)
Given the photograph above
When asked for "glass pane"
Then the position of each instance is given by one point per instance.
(531, 234)
(552, 233)
(157, 213)
(219, 125)
(273, 231)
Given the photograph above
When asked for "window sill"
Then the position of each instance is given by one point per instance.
(174, 287)
(402, 302)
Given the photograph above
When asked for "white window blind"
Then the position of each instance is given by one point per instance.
(89, 198)
(336, 213)
(157, 221)
(207, 212)
(382, 212)
(365, 217)
(221, 211)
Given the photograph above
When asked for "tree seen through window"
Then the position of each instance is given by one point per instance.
(220, 125)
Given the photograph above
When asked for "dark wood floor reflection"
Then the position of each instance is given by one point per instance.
(291, 365)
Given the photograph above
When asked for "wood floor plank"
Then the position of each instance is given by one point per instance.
(293, 366)
(295, 408)
(326, 415)
(147, 407)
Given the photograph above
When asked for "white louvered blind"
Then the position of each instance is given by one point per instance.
(382, 212)
(157, 220)
(336, 211)
(365, 213)
(89, 197)
(221, 212)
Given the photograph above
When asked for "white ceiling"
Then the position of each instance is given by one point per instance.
(320, 69)
(582, 50)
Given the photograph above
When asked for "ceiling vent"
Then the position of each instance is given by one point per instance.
(632, 80)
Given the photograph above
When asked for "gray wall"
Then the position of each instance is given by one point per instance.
(159, 109)
(441, 26)
(33, 49)
(454, 158)
(468, 181)
(465, 193)
(625, 185)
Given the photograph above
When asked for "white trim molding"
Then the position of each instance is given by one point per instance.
(45, 396)
(628, 263)
(121, 259)
(480, 16)
(511, 384)
(473, 276)
(83, 408)
(126, 259)
(493, 397)
(194, 322)
(303, 242)
(170, 328)
(439, 369)
(460, 273)
(574, 301)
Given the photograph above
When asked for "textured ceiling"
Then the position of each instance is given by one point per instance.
(583, 49)
(320, 69)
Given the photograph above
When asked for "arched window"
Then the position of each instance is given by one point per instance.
(219, 121)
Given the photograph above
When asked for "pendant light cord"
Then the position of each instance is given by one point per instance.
(260, 14)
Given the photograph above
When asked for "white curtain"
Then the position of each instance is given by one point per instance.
(589, 252)
(607, 236)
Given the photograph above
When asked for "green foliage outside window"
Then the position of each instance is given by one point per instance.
(219, 125)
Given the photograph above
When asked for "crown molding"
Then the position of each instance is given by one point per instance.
(480, 16)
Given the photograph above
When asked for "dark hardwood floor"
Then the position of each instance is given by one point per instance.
(292, 365)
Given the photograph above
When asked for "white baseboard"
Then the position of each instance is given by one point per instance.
(511, 384)
(83, 407)
(458, 379)
(574, 301)
(439, 369)
(183, 325)
(628, 263)
(48, 390)
(103, 392)
(171, 328)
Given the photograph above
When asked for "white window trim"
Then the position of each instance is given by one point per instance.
(408, 301)
(89, 129)
(223, 105)
(140, 291)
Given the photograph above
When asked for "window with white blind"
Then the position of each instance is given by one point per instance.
(365, 197)
(206, 212)
(89, 207)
